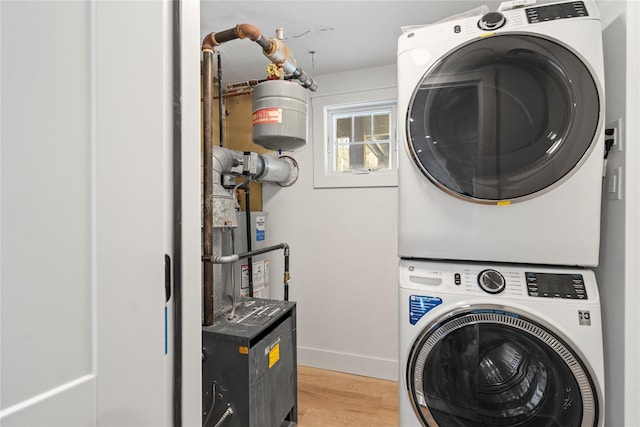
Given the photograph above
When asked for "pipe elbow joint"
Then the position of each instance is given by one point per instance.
(225, 159)
(209, 42)
(248, 31)
(225, 259)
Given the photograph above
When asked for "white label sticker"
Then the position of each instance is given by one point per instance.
(261, 228)
(258, 274)
(244, 281)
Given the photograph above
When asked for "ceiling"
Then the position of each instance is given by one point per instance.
(324, 36)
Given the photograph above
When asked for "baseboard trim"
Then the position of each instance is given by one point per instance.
(356, 364)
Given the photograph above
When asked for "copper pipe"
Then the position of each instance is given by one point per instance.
(274, 49)
(240, 31)
(248, 31)
(207, 177)
(209, 42)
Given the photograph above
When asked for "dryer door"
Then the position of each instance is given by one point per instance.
(505, 117)
(488, 366)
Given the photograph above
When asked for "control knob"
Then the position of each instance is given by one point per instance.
(491, 21)
(491, 281)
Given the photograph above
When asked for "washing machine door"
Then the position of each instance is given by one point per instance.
(506, 117)
(491, 366)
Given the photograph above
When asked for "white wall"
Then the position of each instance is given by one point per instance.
(619, 255)
(343, 257)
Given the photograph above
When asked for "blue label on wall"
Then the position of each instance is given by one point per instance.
(420, 305)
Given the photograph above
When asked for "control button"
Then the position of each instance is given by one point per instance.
(457, 279)
(491, 281)
(491, 21)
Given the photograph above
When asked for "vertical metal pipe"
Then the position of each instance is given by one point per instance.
(220, 112)
(247, 208)
(286, 273)
(207, 178)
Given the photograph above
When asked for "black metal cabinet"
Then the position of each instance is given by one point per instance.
(250, 366)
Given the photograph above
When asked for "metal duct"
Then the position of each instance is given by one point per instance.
(278, 170)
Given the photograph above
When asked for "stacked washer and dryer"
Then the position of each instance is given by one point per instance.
(501, 128)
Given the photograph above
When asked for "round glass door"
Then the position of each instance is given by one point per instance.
(490, 367)
(503, 118)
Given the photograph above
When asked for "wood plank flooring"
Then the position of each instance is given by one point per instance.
(328, 398)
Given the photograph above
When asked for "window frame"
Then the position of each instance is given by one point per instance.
(324, 108)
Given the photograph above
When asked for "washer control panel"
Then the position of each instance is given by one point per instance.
(551, 285)
(499, 280)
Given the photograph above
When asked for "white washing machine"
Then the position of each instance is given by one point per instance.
(501, 134)
(499, 345)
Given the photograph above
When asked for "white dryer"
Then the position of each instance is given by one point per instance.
(499, 345)
(501, 128)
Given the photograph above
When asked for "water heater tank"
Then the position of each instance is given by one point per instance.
(279, 115)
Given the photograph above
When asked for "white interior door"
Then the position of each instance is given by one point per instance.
(48, 345)
(85, 120)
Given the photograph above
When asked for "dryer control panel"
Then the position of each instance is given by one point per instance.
(552, 12)
(551, 285)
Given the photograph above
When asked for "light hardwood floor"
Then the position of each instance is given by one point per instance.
(328, 398)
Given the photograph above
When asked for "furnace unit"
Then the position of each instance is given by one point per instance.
(250, 366)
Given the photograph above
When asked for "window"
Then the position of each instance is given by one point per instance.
(360, 141)
(355, 142)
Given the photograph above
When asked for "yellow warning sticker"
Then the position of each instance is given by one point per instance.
(274, 355)
(243, 350)
(504, 202)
